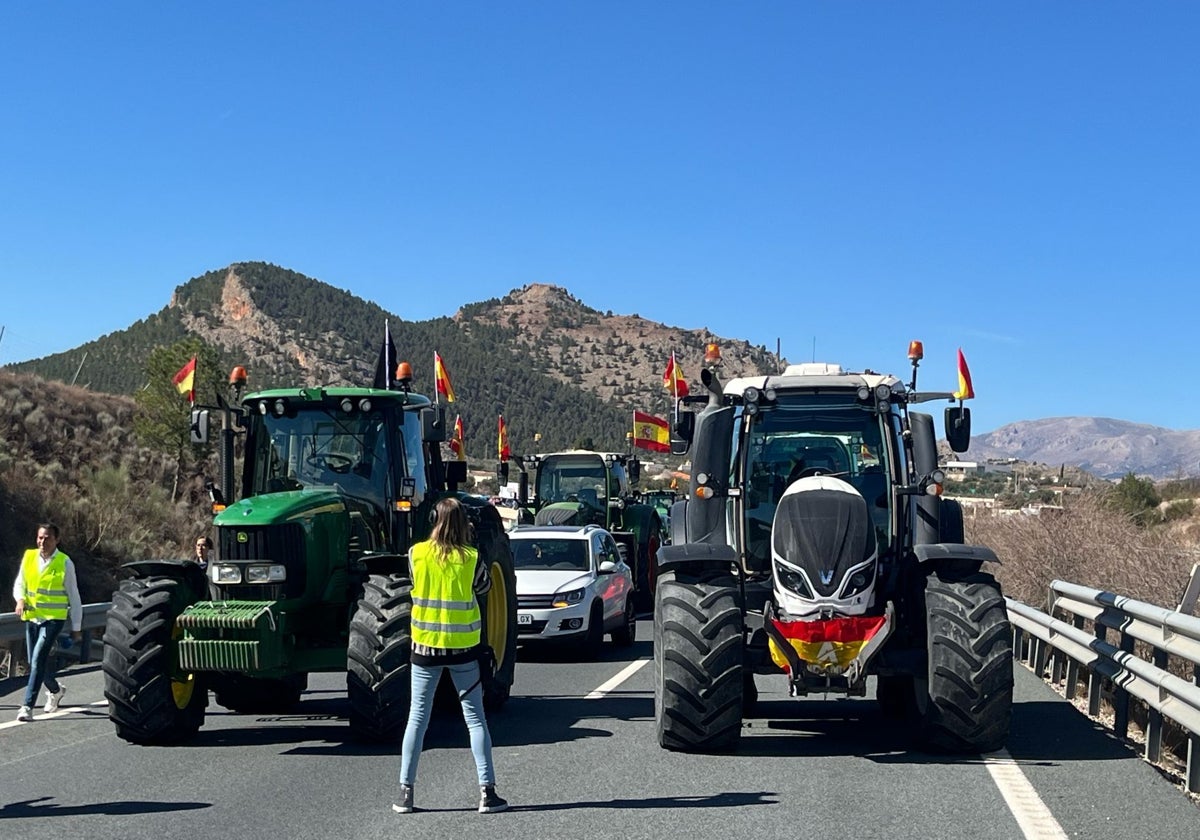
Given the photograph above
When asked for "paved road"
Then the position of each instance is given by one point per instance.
(576, 756)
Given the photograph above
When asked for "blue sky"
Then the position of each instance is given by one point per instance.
(1017, 179)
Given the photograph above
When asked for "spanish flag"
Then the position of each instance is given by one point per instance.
(185, 380)
(831, 644)
(502, 450)
(965, 390)
(673, 379)
(650, 432)
(442, 378)
(458, 442)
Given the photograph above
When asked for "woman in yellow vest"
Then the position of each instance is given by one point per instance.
(47, 596)
(447, 579)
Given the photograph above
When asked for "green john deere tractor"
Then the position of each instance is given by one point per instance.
(311, 573)
(581, 487)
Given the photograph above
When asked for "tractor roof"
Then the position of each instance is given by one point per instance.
(812, 376)
(408, 399)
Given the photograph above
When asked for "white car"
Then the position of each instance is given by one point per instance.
(572, 584)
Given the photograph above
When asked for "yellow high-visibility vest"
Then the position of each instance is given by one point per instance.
(45, 590)
(445, 613)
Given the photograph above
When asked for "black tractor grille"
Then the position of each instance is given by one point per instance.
(276, 544)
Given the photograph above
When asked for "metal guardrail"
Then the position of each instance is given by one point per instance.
(94, 616)
(1069, 645)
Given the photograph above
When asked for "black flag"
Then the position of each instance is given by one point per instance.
(385, 365)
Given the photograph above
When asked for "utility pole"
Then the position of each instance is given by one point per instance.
(81, 361)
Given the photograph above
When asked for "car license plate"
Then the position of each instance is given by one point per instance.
(524, 618)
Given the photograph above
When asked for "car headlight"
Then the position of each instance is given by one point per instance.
(568, 599)
(792, 580)
(860, 580)
(265, 574)
(225, 573)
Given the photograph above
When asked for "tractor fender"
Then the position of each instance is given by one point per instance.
(185, 571)
(695, 556)
(955, 558)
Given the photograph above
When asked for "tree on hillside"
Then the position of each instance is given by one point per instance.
(162, 420)
(1136, 498)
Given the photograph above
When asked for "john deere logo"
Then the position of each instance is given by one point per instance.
(242, 537)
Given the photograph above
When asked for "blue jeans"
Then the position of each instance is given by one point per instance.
(39, 642)
(424, 685)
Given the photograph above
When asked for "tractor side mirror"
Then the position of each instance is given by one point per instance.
(199, 425)
(682, 431)
(433, 424)
(958, 427)
(635, 470)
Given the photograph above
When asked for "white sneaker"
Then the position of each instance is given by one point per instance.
(54, 698)
(26, 713)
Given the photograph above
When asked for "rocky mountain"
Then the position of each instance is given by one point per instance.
(551, 364)
(1102, 446)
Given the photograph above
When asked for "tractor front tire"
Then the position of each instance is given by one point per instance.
(150, 701)
(698, 662)
(498, 610)
(378, 682)
(968, 706)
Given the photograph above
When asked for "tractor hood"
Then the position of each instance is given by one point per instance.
(823, 549)
(288, 506)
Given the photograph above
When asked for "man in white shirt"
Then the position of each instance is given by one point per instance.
(47, 596)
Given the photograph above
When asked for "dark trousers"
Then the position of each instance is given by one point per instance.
(39, 643)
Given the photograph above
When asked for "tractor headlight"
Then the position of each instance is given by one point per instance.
(568, 599)
(226, 573)
(860, 580)
(266, 574)
(792, 581)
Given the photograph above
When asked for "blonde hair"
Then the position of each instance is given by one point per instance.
(451, 531)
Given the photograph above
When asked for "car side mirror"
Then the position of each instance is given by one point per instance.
(607, 567)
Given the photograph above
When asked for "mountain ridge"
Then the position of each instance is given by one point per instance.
(552, 365)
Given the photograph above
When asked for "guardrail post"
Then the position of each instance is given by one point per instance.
(1018, 643)
(1095, 680)
(85, 647)
(1154, 718)
(1073, 666)
(1039, 657)
(1193, 750)
(1121, 696)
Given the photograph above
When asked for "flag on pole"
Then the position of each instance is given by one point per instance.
(185, 381)
(442, 378)
(502, 450)
(673, 379)
(385, 365)
(458, 443)
(650, 432)
(965, 389)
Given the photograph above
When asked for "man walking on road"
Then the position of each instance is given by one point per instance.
(47, 596)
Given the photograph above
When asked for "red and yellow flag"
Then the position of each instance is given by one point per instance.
(442, 378)
(650, 432)
(502, 450)
(458, 443)
(185, 380)
(673, 379)
(832, 643)
(965, 389)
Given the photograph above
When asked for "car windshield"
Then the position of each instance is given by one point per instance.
(550, 553)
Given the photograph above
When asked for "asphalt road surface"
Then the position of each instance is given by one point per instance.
(576, 757)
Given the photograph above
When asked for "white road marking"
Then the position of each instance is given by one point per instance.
(629, 670)
(38, 714)
(1033, 817)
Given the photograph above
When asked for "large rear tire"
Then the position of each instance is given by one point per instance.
(968, 705)
(377, 680)
(498, 609)
(150, 700)
(698, 662)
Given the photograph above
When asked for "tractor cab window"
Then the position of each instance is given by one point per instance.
(805, 435)
(317, 446)
(570, 478)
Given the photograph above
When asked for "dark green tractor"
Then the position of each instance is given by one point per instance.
(581, 487)
(311, 572)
